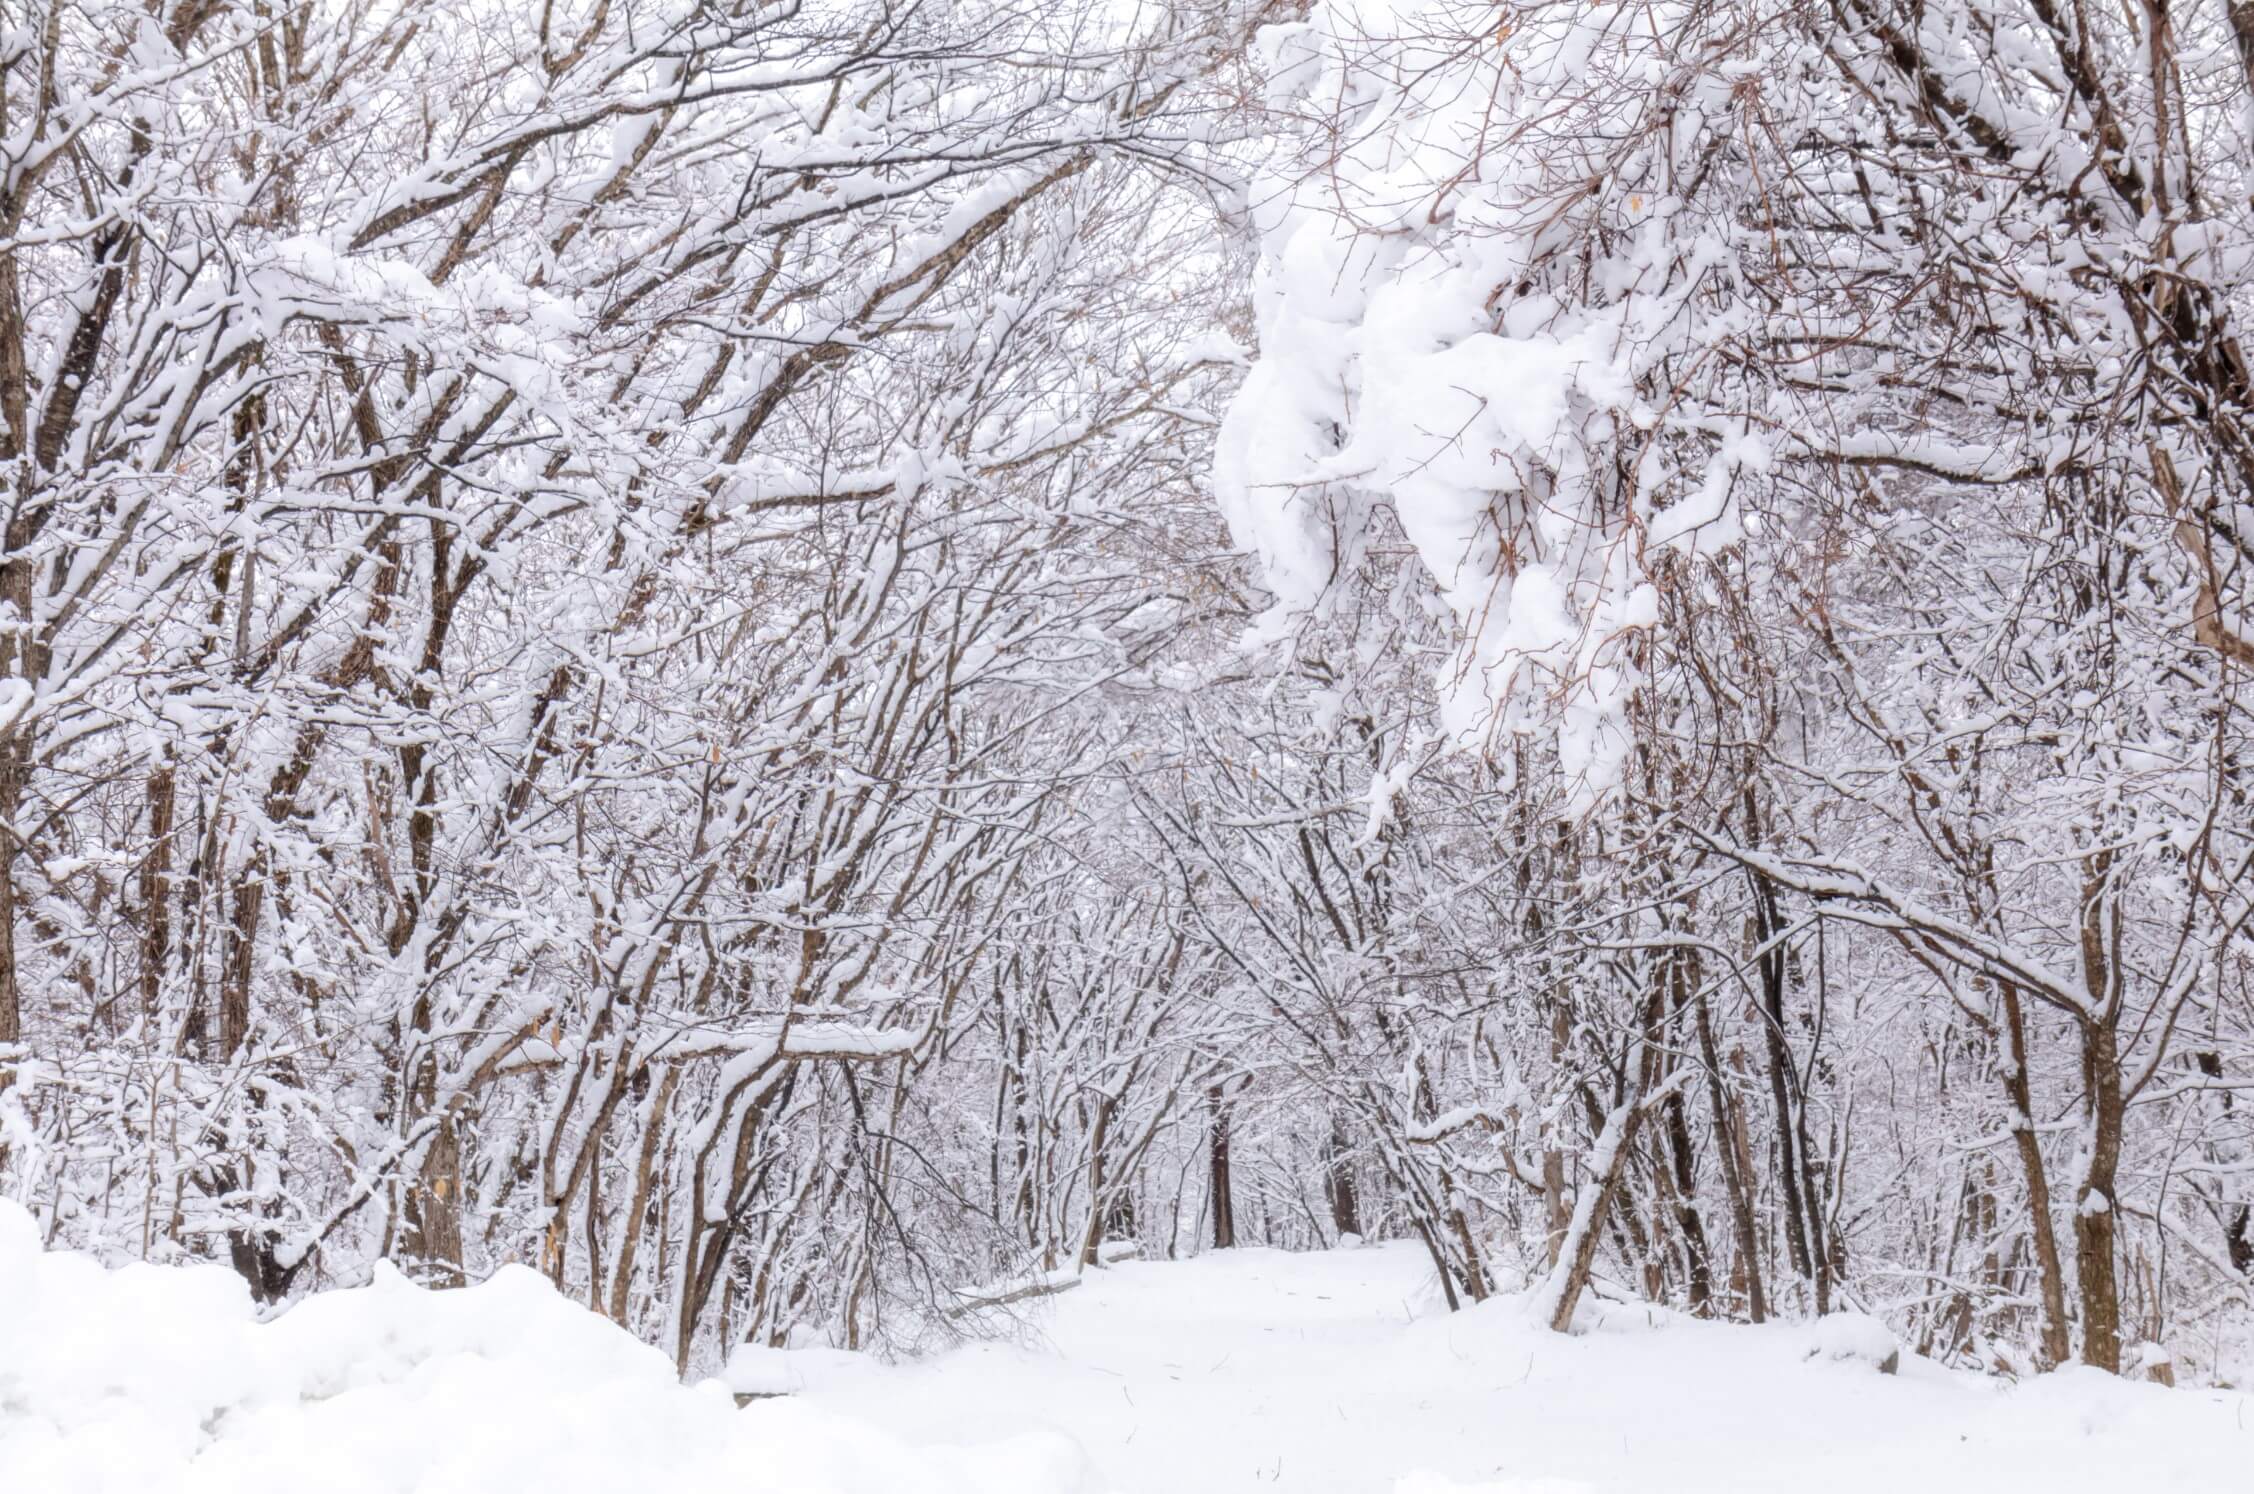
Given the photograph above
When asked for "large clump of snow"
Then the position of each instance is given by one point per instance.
(162, 1380)
(1416, 355)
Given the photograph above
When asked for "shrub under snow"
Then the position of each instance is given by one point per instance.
(156, 1378)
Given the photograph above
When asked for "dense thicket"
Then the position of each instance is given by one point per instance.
(657, 638)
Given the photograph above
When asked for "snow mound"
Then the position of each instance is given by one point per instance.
(1331, 1373)
(148, 1378)
(1856, 1338)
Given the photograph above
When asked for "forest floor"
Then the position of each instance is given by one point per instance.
(1256, 1370)
(1243, 1371)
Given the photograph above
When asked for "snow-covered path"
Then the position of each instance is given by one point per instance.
(1253, 1370)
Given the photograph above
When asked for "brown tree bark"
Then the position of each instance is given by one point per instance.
(1686, 1207)
(1338, 1182)
(2057, 1344)
(1587, 1230)
(15, 767)
(156, 887)
(1224, 1207)
(1770, 963)
(1554, 1202)
(1681, 975)
(2096, 1211)
(432, 1243)
(1734, 1183)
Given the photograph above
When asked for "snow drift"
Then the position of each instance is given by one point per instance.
(162, 1380)
(1329, 1373)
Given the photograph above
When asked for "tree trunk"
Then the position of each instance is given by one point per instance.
(1766, 926)
(1608, 1161)
(2095, 1211)
(2057, 1344)
(433, 1243)
(1338, 1183)
(2095, 1208)
(1553, 1157)
(1734, 1184)
(11, 1008)
(1091, 1238)
(1686, 1208)
(1224, 1207)
(156, 887)
(20, 662)
(1681, 975)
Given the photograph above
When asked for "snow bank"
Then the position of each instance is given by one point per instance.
(1855, 1337)
(1336, 1373)
(150, 1378)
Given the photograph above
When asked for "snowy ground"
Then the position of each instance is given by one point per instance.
(1250, 1370)
(1256, 1370)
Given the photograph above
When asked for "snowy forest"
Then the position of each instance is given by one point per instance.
(817, 665)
